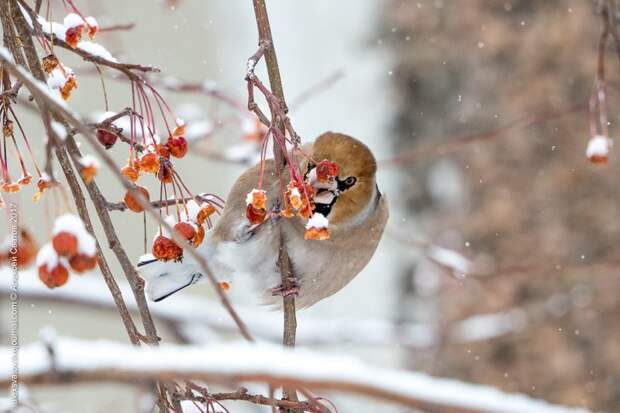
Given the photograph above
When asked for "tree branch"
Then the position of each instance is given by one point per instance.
(266, 48)
(80, 361)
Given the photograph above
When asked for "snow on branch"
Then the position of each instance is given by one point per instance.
(180, 312)
(67, 360)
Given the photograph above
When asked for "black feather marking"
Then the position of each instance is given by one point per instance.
(195, 277)
(142, 263)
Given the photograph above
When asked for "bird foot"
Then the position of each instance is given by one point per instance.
(292, 289)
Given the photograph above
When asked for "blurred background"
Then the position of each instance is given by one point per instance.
(498, 265)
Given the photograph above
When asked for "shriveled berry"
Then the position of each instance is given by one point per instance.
(255, 215)
(149, 163)
(204, 213)
(166, 249)
(199, 237)
(49, 63)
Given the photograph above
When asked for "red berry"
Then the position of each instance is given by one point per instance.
(106, 138)
(73, 35)
(325, 170)
(177, 146)
(55, 278)
(165, 172)
(255, 215)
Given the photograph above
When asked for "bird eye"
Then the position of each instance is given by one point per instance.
(350, 181)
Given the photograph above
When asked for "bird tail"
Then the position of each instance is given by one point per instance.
(164, 278)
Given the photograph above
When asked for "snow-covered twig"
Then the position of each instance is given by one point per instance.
(87, 361)
(190, 325)
(90, 54)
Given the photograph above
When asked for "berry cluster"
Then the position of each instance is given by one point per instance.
(191, 228)
(72, 247)
(299, 199)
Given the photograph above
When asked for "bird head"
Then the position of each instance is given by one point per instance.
(355, 183)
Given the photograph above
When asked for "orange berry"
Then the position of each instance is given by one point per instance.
(257, 198)
(130, 173)
(186, 230)
(25, 252)
(81, 263)
(25, 180)
(163, 151)
(224, 285)
(134, 163)
(57, 277)
(149, 163)
(199, 237)
(132, 203)
(67, 88)
(318, 234)
(179, 130)
(8, 128)
(88, 173)
(92, 31)
(43, 184)
(598, 159)
(10, 187)
(65, 244)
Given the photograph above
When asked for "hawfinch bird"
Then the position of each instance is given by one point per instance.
(356, 211)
